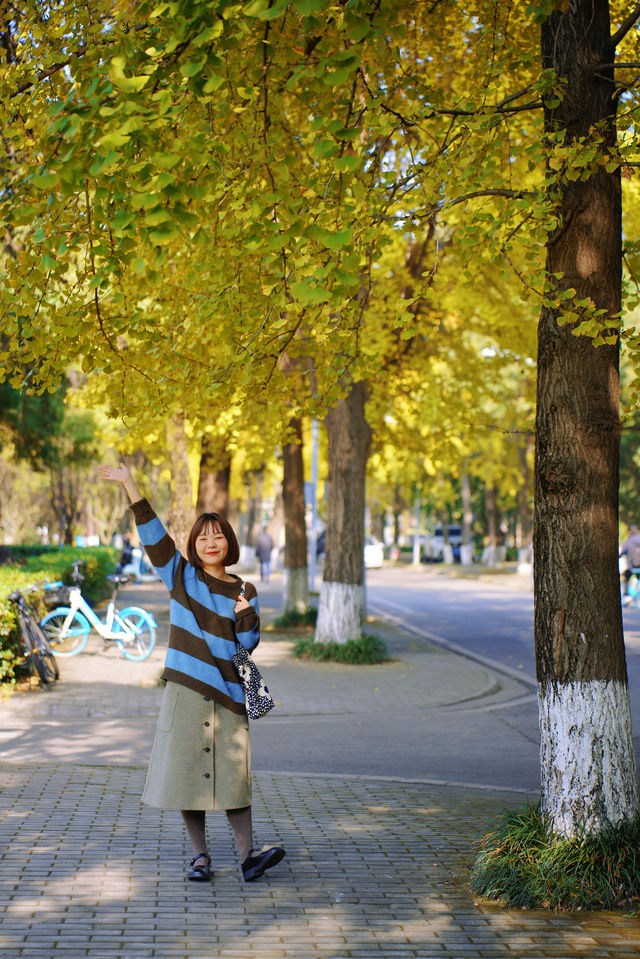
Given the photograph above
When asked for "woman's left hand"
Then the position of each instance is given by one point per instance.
(242, 603)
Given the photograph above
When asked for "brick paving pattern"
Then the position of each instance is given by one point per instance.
(375, 867)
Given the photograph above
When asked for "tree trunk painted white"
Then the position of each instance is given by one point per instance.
(587, 760)
(296, 590)
(588, 773)
(488, 556)
(525, 559)
(447, 554)
(340, 612)
(342, 594)
(466, 554)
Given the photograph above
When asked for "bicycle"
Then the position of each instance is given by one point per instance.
(37, 648)
(132, 629)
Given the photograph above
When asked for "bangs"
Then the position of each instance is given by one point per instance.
(209, 525)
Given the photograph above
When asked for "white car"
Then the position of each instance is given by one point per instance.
(373, 553)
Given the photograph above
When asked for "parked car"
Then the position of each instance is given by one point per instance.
(373, 552)
(432, 550)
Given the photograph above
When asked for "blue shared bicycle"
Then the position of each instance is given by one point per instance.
(67, 627)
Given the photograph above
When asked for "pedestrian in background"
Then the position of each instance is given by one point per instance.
(631, 552)
(201, 758)
(264, 547)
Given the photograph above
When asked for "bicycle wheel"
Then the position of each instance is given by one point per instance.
(45, 649)
(70, 641)
(139, 646)
(39, 652)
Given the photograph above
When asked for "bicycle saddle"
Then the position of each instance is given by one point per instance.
(118, 578)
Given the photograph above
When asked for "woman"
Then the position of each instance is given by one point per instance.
(201, 753)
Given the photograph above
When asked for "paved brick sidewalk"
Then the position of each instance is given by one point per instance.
(375, 867)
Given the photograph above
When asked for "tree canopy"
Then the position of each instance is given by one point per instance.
(190, 190)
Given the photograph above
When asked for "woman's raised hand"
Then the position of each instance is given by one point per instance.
(120, 474)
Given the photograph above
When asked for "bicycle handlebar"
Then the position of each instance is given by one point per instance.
(17, 593)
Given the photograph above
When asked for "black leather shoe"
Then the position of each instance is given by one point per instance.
(201, 872)
(257, 863)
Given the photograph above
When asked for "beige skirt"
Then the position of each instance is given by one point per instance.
(201, 756)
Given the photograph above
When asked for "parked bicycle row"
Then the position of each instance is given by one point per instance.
(64, 630)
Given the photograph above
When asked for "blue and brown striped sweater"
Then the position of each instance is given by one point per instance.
(204, 627)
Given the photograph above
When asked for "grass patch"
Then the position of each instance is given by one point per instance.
(366, 651)
(293, 619)
(522, 864)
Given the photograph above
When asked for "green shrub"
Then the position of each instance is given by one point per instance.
(523, 864)
(292, 618)
(53, 564)
(366, 651)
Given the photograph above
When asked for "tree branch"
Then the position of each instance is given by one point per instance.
(509, 194)
(49, 72)
(621, 33)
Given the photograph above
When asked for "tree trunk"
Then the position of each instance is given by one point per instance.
(341, 606)
(181, 512)
(213, 482)
(296, 596)
(588, 771)
(254, 482)
(524, 510)
(490, 552)
(447, 549)
(398, 506)
(466, 548)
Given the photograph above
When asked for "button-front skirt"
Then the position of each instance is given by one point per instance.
(201, 757)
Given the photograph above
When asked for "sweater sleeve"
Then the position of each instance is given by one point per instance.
(248, 620)
(158, 545)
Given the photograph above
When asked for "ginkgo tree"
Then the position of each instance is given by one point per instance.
(192, 188)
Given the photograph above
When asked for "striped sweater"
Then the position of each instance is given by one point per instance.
(204, 627)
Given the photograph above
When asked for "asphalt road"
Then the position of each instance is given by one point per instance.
(449, 719)
(486, 619)
(488, 739)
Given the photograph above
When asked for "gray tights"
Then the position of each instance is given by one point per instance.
(239, 820)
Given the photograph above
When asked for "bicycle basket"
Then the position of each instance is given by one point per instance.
(58, 596)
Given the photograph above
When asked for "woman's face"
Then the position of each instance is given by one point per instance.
(211, 545)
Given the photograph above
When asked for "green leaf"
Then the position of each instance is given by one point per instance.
(265, 11)
(309, 7)
(163, 180)
(208, 34)
(337, 77)
(192, 67)
(155, 217)
(114, 140)
(306, 293)
(325, 148)
(336, 241)
(122, 82)
(213, 83)
(45, 180)
(162, 237)
(165, 160)
(122, 220)
(347, 164)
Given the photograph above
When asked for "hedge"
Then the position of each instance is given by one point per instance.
(45, 566)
